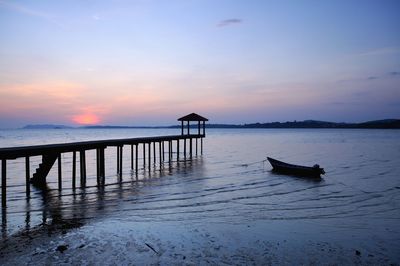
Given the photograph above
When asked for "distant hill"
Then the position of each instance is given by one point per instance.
(387, 123)
(382, 124)
(45, 126)
(105, 126)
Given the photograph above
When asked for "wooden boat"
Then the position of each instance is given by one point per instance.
(292, 169)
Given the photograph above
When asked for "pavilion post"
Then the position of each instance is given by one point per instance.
(198, 128)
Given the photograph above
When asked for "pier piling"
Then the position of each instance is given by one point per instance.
(160, 155)
(184, 149)
(196, 147)
(102, 166)
(169, 151)
(190, 148)
(136, 159)
(131, 156)
(163, 153)
(144, 155)
(3, 182)
(98, 170)
(82, 162)
(177, 150)
(59, 172)
(120, 152)
(27, 177)
(73, 169)
(149, 150)
(154, 154)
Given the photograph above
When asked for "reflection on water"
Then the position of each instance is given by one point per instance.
(229, 184)
(71, 208)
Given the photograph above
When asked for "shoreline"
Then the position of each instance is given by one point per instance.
(125, 241)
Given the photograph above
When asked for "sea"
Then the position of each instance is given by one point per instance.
(356, 203)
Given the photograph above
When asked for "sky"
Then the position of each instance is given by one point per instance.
(143, 62)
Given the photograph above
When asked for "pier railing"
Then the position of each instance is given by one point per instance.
(52, 152)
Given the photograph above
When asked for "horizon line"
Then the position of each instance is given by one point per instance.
(50, 125)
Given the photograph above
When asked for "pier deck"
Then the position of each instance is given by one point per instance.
(36, 150)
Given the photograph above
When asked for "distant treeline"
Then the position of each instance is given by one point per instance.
(383, 124)
(388, 123)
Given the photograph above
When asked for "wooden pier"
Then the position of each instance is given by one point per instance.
(52, 152)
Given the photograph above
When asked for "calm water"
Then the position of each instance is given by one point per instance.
(230, 182)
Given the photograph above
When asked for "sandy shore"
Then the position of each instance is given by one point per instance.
(122, 242)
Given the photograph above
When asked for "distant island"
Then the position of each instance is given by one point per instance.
(45, 126)
(382, 124)
(377, 124)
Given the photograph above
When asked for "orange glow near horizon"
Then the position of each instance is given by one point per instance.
(86, 119)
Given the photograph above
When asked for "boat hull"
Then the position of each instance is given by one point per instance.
(298, 170)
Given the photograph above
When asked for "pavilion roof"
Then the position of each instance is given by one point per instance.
(192, 117)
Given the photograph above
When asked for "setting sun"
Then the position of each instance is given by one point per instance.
(86, 119)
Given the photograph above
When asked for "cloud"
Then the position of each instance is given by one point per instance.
(229, 22)
(24, 10)
(30, 12)
(394, 73)
(349, 103)
(372, 78)
(381, 51)
(96, 17)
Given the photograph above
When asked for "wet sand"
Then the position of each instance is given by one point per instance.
(124, 242)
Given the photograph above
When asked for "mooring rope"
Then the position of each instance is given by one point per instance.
(252, 163)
